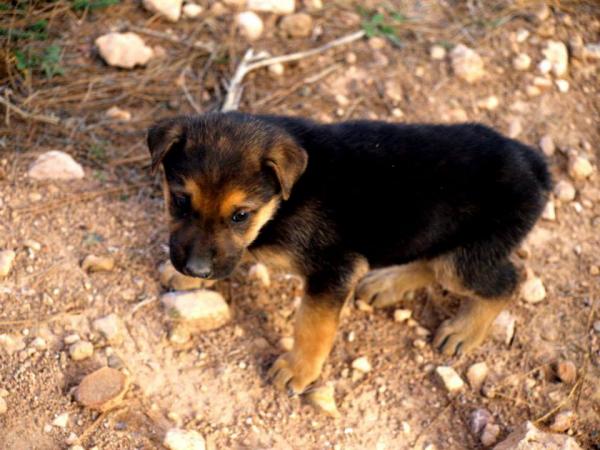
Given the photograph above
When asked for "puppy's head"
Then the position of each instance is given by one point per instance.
(225, 175)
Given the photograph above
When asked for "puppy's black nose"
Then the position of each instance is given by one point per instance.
(199, 267)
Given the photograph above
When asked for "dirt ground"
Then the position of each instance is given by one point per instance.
(216, 383)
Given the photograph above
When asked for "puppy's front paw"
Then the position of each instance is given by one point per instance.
(294, 373)
(379, 288)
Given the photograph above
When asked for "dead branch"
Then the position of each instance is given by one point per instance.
(251, 62)
(29, 116)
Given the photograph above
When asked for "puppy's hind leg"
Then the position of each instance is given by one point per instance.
(384, 287)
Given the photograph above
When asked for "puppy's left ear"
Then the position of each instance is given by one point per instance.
(163, 136)
(288, 161)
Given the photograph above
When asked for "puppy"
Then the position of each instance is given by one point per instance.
(420, 204)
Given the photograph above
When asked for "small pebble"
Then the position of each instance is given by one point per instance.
(61, 420)
(178, 439)
(71, 339)
(93, 263)
(286, 343)
(476, 375)
(110, 327)
(556, 52)
(479, 419)
(250, 25)
(563, 421)
(103, 389)
(580, 167)
(547, 145)
(276, 69)
(515, 128)
(364, 306)
(452, 381)
(169, 9)
(323, 399)
(6, 260)
(549, 212)
(39, 343)
(3, 406)
(362, 364)
(565, 191)
(297, 25)
(401, 315)
(562, 85)
(490, 434)
(490, 103)
(32, 245)
(202, 309)
(437, 52)
(533, 290)
(117, 113)
(522, 62)
(191, 10)
(55, 165)
(419, 344)
(81, 350)
(467, 64)
(567, 372)
(597, 326)
(125, 50)
(377, 43)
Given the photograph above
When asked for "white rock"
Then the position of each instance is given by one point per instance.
(3, 406)
(545, 66)
(260, 272)
(286, 343)
(542, 82)
(172, 279)
(522, 61)
(276, 69)
(522, 35)
(362, 364)
(313, 5)
(401, 315)
(204, 309)
(250, 25)
(393, 90)
(547, 145)
(116, 113)
(556, 52)
(170, 9)
(191, 10)
(272, 6)
(71, 339)
(467, 64)
(81, 350)
(93, 263)
(110, 327)
(528, 437)
(7, 258)
(125, 50)
(476, 375)
(55, 165)
(452, 381)
(533, 290)
(437, 52)
(580, 167)
(39, 343)
(479, 419)
(515, 128)
(562, 85)
(532, 91)
(490, 103)
(323, 399)
(549, 212)
(297, 25)
(61, 420)
(11, 343)
(178, 439)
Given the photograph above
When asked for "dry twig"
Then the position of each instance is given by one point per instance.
(29, 116)
(251, 62)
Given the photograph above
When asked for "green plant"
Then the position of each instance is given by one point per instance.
(48, 61)
(80, 5)
(37, 31)
(98, 152)
(383, 24)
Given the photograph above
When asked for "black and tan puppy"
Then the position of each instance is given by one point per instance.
(419, 203)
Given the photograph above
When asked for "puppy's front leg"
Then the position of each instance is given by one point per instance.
(315, 327)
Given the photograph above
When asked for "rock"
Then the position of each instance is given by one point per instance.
(276, 69)
(117, 113)
(556, 52)
(286, 343)
(260, 272)
(55, 165)
(437, 52)
(170, 9)
(515, 128)
(81, 350)
(39, 343)
(452, 381)
(93, 263)
(528, 437)
(562, 85)
(250, 25)
(542, 82)
(297, 25)
(110, 327)
(3, 406)
(393, 90)
(172, 279)
(592, 51)
(178, 439)
(597, 326)
(364, 306)
(362, 364)
(71, 339)
(377, 43)
(7, 258)
(313, 5)
(419, 344)
(533, 290)
(522, 61)
(541, 12)
(272, 6)
(563, 421)
(580, 167)
(466, 63)
(567, 372)
(479, 419)
(11, 344)
(323, 399)
(503, 327)
(545, 66)
(549, 212)
(203, 309)
(522, 35)
(179, 334)
(490, 434)
(547, 145)
(103, 389)
(125, 50)
(61, 421)
(565, 191)
(532, 91)
(476, 375)
(191, 10)
(401, 315)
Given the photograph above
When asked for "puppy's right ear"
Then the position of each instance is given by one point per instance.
(162, 137)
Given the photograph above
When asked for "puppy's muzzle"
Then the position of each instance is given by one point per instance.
(198, 266)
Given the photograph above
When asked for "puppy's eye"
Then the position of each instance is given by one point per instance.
(240, 216)
(181, 201)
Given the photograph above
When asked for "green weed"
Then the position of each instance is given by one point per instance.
(47, 61)
(382, 24)
(80, 5)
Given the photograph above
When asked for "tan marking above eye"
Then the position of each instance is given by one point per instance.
(231, 201)
(193, 190)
